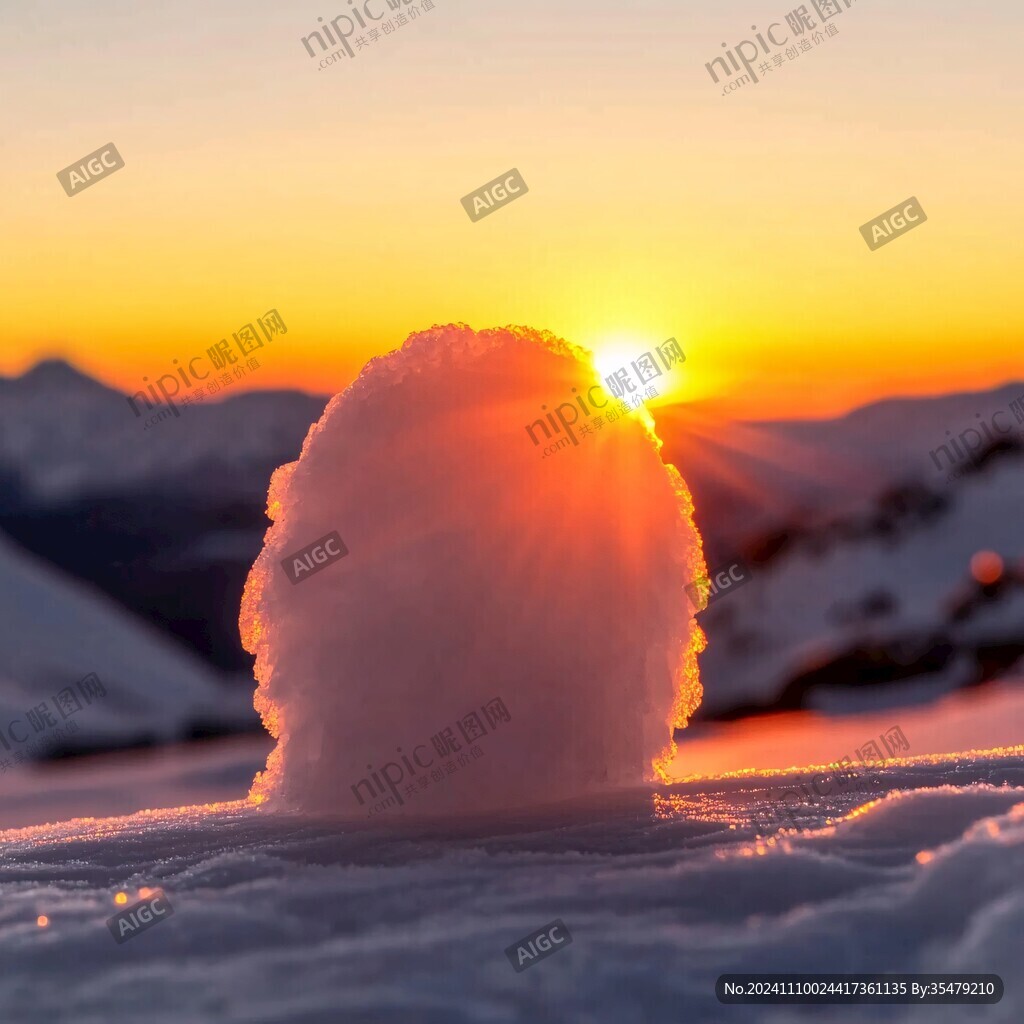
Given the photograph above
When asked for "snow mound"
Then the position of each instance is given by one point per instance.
(478, 569)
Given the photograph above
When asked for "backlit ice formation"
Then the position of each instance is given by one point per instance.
(478, 568)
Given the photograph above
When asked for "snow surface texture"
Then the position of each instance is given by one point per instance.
(478, 569)
(282, 919)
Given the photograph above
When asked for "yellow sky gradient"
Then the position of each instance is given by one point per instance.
(657, 207)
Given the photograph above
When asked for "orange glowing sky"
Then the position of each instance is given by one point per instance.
(657, 207)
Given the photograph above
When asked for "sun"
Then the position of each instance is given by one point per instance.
(620, 353)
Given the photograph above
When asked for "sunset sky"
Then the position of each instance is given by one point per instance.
(657, 206)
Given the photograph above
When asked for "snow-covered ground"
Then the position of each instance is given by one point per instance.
(281, 919)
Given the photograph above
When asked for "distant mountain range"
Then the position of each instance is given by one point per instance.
(859, 545)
